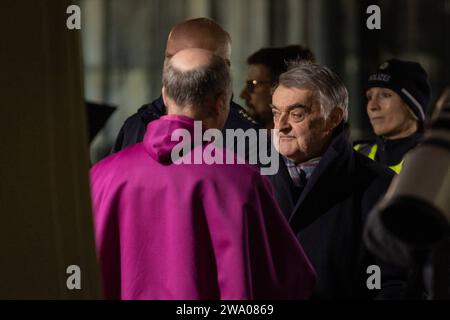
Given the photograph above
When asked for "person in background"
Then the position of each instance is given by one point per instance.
(398, 94)
(264, 68)
(200, 33)
(185, 231)
(410, 227)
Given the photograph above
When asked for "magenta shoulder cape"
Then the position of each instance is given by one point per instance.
(167, 231)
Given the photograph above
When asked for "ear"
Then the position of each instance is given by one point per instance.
(334, 118)
(164, 95)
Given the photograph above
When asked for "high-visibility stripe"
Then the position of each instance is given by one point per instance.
(397, 168)
(373, 151)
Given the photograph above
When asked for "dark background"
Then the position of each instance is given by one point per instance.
(123, 44)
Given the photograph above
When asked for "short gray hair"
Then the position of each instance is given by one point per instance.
(195, 87)
(331, 91)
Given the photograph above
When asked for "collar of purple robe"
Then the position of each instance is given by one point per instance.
(160, 139)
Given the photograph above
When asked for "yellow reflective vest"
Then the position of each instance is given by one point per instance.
(373, 151)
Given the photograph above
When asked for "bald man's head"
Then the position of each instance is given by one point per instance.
(192, 59)
(194, 76)
(197, 82)
(199, 33)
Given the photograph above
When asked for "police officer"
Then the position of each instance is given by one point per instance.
(397, 98)
(200, 33)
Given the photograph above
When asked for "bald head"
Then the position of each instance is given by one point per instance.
(200, 33)
(197, 83)
(191, 59)
(193, 76)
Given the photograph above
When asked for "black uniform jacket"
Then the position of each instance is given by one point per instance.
(134, 128)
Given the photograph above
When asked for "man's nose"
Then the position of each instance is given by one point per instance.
(283, 122)
(244, 94)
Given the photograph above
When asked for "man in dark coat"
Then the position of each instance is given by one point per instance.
(325, 188)
(200, 33)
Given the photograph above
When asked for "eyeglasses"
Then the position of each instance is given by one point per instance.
(250, 85)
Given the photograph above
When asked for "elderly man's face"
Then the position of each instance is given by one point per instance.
(303, 132)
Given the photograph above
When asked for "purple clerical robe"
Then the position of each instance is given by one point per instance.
(191, 231)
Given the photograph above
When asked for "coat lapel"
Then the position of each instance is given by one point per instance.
(283, 186)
